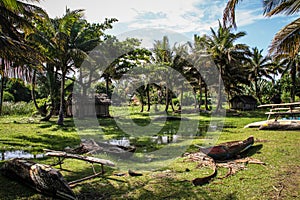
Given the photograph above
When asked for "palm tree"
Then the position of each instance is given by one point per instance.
(291, 66)
(228, 57)
(66, 42)
(63, 42)
(259, 66)
(163, 56)
(287, 40)
(16, 19)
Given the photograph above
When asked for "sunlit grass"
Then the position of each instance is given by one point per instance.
(161, 180)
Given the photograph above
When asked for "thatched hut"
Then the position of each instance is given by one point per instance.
(88, 107)
(243, 102)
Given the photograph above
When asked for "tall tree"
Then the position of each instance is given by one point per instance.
(259, 67)
(287, 40)
(228, 57)
(16, 19)
(66, 41)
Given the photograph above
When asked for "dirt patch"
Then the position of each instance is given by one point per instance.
(288, 184)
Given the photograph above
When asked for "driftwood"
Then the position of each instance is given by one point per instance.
(133, 173)
(79, 157)
(203, 161)
(63, 155)
(93, 147)
(42, 178)
(233, 166)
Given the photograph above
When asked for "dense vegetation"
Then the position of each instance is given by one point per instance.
(278, 178)
(58, 47)
(44, 61)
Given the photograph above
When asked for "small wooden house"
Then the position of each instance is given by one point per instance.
(243, 102)
(88, 107)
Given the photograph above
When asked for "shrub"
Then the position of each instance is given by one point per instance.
(18, 89)
(19, 108)
(8, 96)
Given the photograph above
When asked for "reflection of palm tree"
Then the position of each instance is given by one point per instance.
(287, 40)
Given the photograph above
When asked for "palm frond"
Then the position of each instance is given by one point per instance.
(229, 13)
(288, 7)
(287, 40)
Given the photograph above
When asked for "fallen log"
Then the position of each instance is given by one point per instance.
(280, 126)
(92, 147)
(79, 157)
(40, 177)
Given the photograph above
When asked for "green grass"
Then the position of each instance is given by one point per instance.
(278, 179)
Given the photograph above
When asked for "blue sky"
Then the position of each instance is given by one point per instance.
(183, 17)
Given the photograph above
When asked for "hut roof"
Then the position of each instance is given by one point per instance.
(244, 99)
(102, 99)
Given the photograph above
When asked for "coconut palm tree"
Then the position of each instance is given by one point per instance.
(259, 66)
(66, 42)
(287, 40)
(16, 19)
(228, 57)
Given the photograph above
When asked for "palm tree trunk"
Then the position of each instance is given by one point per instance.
(148, 97)
(142, 102)
(200, 86)
(181, 96)
(167, 99)
(33, 94)
(219, 99)
(206, 97)
(1, 84)
(60, 120)
(293, 77)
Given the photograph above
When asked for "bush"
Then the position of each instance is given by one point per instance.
(18, 89)
(20, 108)
(8, 96)
(175, 101)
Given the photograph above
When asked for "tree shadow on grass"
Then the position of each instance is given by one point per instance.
(138, 188)
(56, 142)
(11, 190)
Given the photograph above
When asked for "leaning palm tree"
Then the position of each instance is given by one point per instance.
(16, 19)
(287, 40)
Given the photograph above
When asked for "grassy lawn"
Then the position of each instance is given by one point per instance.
(278, 179)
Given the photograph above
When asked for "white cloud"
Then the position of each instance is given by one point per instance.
(246, 17)
(177, 15)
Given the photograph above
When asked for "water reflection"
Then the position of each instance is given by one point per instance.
(165, 139)
(124, 142)
(6, 155)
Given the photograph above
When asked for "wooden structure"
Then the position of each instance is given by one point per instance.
(288, 112)
(89, 107)
(64, 155)
(42, 178)
(243, 102)
(282, 109)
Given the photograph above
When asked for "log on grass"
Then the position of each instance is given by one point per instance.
(40, 177)
(280, 126)
(62, 154)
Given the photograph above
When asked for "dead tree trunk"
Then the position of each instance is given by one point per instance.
(42, 178)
